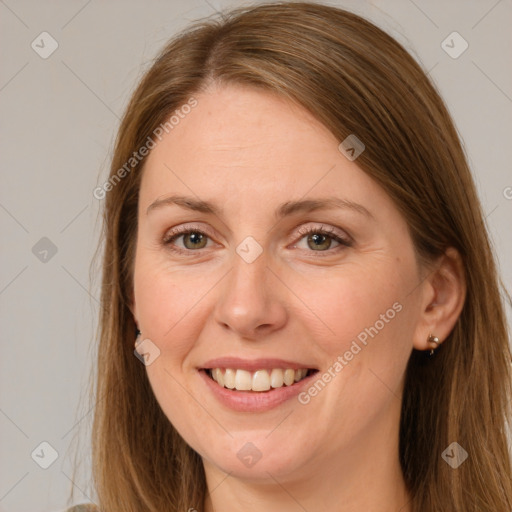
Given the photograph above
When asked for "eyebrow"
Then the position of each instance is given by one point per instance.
(283, 210)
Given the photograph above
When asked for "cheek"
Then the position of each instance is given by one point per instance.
(356, 304)
(367, 320)
(168, 304)
(166, 300)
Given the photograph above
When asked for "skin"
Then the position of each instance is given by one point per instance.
(248, 151)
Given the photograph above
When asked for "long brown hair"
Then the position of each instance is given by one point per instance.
(355, 79)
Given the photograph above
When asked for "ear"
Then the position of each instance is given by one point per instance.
(444, 293)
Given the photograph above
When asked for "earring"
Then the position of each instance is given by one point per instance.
(433, 339)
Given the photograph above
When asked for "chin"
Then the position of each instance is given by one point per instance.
(256, 456)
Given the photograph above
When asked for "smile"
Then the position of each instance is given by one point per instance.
(254, 385)
(259, 380)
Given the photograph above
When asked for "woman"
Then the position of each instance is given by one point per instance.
(295, 249)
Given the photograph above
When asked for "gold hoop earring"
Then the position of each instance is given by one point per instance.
(433, 339)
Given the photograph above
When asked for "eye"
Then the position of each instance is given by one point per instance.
(193, 238)
(320, 239)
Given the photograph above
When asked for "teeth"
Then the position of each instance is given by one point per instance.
(243, 380)
(229, 378)
(289, 377)
(261, 380)
(218, 376)
(276, 378)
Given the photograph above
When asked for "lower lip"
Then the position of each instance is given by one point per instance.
(253, 401)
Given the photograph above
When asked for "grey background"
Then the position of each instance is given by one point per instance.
(59, 118)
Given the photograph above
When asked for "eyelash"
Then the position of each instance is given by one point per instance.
(181, 230)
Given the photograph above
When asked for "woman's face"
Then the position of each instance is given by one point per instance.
(299, 267)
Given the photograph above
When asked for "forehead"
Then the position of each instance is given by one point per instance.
(234, 124)
(246, 145)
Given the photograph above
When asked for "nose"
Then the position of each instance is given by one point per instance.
(251, 300)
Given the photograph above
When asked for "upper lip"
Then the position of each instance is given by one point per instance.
(254, 364)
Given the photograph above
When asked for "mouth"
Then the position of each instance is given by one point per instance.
(255, 385)
(259, 381)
